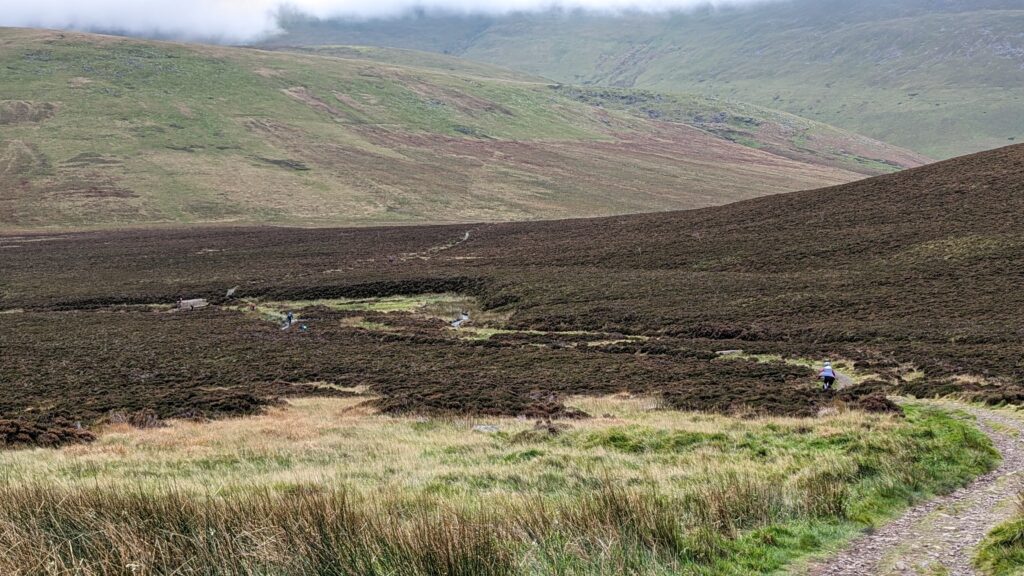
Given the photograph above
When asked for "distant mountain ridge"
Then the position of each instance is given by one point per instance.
(941, 77)
(101, 131)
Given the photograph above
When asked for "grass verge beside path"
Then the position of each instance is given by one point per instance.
(328, 487)
(1002, 552)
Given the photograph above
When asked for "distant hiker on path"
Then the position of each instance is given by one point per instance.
(827, 376)
(289, 318)
(462, 319)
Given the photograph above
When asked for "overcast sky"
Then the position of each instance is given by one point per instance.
(241, 20)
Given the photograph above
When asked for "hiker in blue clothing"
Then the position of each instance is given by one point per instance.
(827, 376)
(289, 318)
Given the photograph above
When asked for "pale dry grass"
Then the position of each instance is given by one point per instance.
(343, 441)
(330, 486)
(973, 379)
(239, 184)
(444, 306)
(913, 375)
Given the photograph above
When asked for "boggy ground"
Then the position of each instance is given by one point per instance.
(222, 361)
(912, 276)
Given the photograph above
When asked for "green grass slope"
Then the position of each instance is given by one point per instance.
(939, 77)
(98, 131)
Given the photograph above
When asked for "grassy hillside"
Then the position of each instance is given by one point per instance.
(942, 78)
(104, 131)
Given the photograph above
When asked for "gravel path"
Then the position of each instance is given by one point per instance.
(842, 381)
(939, 536)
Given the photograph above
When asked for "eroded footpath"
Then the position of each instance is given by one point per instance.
(941, 535)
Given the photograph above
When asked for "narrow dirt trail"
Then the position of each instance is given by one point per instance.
(940, 536)
(842, 380)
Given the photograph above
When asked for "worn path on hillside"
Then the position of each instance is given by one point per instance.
(842, 381)
(940, 536)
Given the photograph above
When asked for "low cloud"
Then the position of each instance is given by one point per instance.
(244, 20)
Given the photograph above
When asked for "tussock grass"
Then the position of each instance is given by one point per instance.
(327, 486)
(300, 531)
(1002, 551)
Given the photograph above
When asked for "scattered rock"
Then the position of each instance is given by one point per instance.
(485, 429)
(193, 304)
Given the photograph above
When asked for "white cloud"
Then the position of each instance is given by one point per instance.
(240, 20)
(231, 20)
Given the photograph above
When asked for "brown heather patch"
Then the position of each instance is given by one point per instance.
(771, 276)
